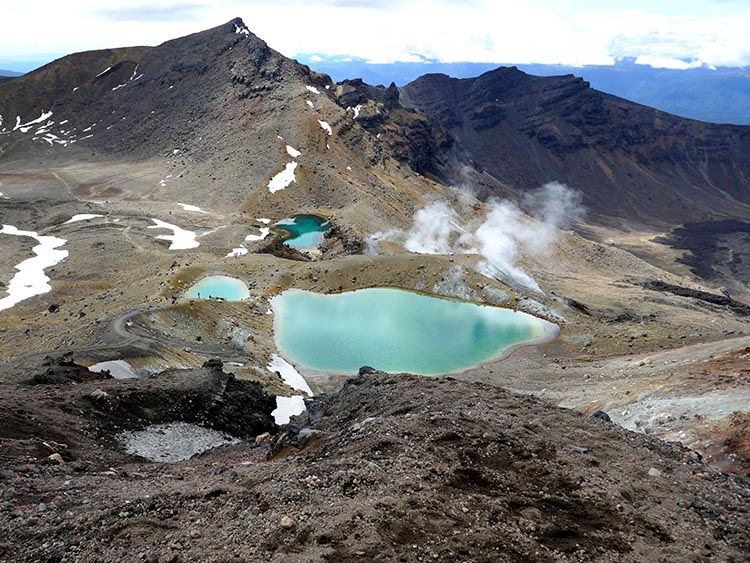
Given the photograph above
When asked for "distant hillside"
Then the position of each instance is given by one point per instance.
(717, 96)
(9, 73)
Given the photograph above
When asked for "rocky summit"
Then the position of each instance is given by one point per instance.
(142, 421)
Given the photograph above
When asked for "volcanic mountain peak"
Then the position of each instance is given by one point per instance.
(148, 99)
(240, 27)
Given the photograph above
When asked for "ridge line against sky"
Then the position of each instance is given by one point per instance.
(665, 34)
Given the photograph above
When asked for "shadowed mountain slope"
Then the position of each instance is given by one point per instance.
(630, 161)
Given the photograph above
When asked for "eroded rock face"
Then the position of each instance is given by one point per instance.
(402, 132)
(205, 396)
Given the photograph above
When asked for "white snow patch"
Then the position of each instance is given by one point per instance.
(239, 251)
(119, 369)
(309, 103)
(30, 279)
(181, 239)
(82, 217)
(349, 168)
(312, 89)
(290, 375)
(76, 88)
(242, 30)
(194, 208)
(24, 127)
(118, 87)
(264, 220)
(283, 178)
(106, 70)
(324, 125)
(357, 109)
(287, 407)
(264, 231)
(294, 153)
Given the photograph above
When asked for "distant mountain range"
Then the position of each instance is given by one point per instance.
(718, 96)
(9, 73)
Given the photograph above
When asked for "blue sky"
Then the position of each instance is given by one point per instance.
(664, 33)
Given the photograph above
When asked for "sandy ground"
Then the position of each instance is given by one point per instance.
(628, 350)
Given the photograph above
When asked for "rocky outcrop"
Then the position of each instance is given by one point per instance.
(392, 467)
(206, 396)
(403, 133)
(88, 415)
(61, 369)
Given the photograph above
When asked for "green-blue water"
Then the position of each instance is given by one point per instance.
(397, 331)
(307, 230)
(225, 287)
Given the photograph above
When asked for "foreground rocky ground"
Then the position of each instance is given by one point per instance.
(391, 468)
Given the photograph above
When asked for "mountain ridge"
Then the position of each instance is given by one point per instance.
(712, 95)
(594, 141)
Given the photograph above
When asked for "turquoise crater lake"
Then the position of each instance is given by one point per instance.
(307, 231)
(395, 331)
(222, 287)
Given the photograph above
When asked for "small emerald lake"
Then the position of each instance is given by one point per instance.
(397, 331)
(224, 287)
(307, 231)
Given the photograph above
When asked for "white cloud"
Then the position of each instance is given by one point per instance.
(509, 31)
(666, 62)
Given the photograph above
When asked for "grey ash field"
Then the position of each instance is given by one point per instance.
(380, 467)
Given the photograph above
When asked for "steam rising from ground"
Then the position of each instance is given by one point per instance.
(500, 236)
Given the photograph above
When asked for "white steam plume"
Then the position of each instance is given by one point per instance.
(500, 236)
(432, 230)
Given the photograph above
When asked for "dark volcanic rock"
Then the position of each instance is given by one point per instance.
(88, 415)
(717, 249)
(142, 101)
(704, 296)
(394, 468)
(207, 396)
(405, 134)
(62, 369)
(630, 161)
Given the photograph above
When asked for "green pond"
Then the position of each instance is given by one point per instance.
(224, 287)
(307, 230)
(397, 331)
